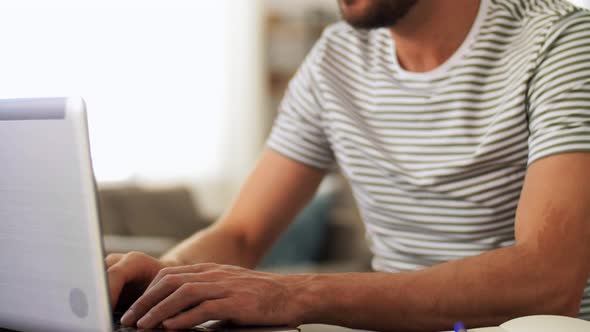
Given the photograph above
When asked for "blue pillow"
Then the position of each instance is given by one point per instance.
(304, 239)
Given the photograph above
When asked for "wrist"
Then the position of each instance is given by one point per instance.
(308, 296)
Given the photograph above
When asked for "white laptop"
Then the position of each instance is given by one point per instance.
(52, 273)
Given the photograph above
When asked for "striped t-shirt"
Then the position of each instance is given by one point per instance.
(437, 160)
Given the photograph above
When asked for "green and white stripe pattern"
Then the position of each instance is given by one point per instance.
(437, 160)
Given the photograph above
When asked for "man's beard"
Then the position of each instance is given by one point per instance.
(376, 13)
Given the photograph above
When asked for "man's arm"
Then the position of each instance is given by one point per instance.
(272, 195)
(544, 272)
(276, 190)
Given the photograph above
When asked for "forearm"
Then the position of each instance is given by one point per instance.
(214, 244)
(482, 290)
(276, 190)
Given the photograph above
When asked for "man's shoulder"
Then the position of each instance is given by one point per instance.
(540, 22)
(559, 21)
(574, 18)
(538, 13)
(534, 8)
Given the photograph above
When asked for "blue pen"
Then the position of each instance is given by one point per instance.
(459, 327)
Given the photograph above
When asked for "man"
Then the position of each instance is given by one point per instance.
(464, 129)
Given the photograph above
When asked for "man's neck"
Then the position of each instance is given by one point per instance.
(432, 31)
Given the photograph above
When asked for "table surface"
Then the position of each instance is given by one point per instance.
(324, 328)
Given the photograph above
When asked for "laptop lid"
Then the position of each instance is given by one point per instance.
(51, 258)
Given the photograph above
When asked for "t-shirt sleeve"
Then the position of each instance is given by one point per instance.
(298, 132)
(559, 92)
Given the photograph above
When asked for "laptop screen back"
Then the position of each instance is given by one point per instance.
(51, 269)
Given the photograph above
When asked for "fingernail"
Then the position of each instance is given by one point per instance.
(142, 323)
(127, 317)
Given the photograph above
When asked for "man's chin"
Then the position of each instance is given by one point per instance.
(348, 2)
(372, 14)
(354, 12)
(353, 8)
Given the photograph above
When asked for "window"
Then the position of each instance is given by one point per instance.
(155, 75)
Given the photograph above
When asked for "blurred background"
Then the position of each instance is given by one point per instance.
(181, 95)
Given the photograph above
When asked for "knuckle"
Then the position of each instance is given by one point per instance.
(232, 268)
(188, 288)
(208, 266)
(216, 274)
(115, 269)
(135, 255)
(163, 272)
(166, 271)
(170, 279)
(111, 256)
(156, 311)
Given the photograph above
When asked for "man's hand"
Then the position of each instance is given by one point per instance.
(129, 275)
(182, 297)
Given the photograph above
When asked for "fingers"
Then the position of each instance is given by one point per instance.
(208, 292)
(181, 269)
(184, 297)
(122, 270)
(208, 310)
(116, 280)
(175, 289)
(116, 277)
(112, 259)
(153, 296)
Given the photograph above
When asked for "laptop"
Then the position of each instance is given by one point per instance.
(52, 272)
